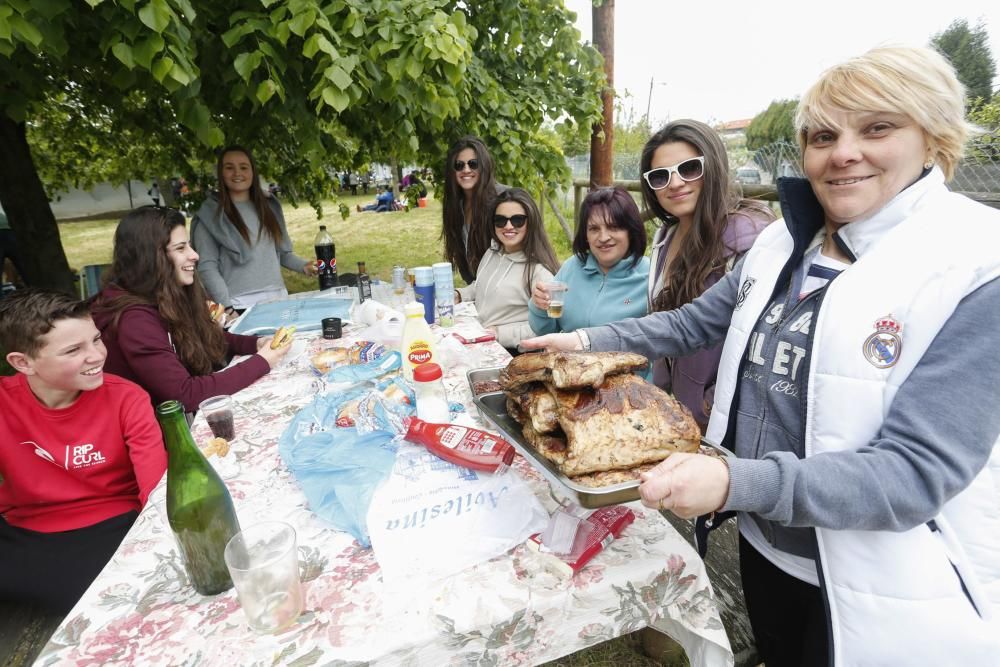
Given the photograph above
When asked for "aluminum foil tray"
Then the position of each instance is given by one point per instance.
(493, 408)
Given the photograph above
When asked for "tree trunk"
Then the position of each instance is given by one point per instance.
(601, 146)
(23, 197)
(394, 177)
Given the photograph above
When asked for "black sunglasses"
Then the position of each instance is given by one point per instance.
(519, 220)
(459, 165)
(688, 170)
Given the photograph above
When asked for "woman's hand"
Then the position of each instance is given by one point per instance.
(271, 356)
(310, 269)
(688, 485)
(559, 342)
(540, 296)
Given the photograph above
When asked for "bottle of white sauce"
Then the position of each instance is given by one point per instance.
(432, 402)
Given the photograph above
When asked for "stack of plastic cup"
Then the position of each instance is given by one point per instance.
(423, 289)
(444, 290)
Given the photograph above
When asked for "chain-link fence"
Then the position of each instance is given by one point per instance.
(978, 172)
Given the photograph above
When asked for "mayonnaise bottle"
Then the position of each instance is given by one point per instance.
(417, 346)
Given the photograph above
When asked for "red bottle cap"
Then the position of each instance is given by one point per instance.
(427, 372)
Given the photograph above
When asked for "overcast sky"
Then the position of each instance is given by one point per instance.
(723, 61)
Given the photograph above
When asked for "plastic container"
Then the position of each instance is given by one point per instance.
(326, 259)
(417, 346)
(432, 400)
(423, 289)
(462, 445)
(444, 293)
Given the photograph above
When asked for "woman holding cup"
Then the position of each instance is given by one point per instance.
(850, 389)
(605, 279)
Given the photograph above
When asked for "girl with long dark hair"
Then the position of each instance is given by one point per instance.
(519, 257)
(241, 237)
(706, 226)
(469, 186)
(154, 320)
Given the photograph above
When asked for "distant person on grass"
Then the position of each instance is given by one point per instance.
(79, 451)
(155, 322)
(384, 201)
(241, 237)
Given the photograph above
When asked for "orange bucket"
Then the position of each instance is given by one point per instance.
(422, 202)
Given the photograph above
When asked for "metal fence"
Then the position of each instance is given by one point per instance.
(978, 172)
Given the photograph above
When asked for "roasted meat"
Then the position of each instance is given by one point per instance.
(587, 413)
(568, 370)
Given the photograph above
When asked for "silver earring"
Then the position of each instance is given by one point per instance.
(929, 163)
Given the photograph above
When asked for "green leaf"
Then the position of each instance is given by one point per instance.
(155, 15)
(144, 51)
(180, 75)
(311, 45)
(246, 63)
(233, 35)
(162, 67)
(123, 52)
(189, 13)
(25, 30)
(414, 68)
(266, 90)
(302, 22)
(338, 76)
(336, 98)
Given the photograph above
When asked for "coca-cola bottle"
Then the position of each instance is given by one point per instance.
(326, 259)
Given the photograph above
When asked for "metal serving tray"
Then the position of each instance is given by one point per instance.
(493, 408)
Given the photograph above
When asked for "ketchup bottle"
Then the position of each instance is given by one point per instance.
(461, 445)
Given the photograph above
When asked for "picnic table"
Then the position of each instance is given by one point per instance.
(142, 610)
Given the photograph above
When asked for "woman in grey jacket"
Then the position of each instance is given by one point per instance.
(857, 385)
(241, 237)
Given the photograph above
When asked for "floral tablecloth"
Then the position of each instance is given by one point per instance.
(142, 611)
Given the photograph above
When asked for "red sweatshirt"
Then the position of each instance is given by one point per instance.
(140, 350)
(74, 467)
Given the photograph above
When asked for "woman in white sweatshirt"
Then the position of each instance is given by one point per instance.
(520, 256)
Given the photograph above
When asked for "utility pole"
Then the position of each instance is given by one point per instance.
(602, 137)
(649, 100)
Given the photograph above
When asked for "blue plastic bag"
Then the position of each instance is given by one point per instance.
(337, 468)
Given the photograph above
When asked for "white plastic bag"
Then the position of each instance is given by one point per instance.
(432, 519)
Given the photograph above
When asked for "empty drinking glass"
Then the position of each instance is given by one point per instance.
(264, 564)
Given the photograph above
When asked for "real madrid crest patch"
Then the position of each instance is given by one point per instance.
(882, 348)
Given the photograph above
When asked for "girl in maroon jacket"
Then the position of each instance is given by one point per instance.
(153, 317)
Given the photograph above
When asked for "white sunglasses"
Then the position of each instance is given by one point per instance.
(689, 170)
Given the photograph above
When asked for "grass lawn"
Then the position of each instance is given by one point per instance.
(411, 238)
(381, 240)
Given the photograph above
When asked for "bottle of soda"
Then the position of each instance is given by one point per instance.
(326, 258)
(364, 283)
(199, 508)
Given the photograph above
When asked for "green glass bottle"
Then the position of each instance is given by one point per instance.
(199, 507)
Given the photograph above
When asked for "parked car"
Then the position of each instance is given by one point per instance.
(748, 175)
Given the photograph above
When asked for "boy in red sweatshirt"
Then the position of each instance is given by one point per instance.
(79, 451)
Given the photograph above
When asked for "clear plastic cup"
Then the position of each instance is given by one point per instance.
(218, 412)
(264, 564)
(557, 292)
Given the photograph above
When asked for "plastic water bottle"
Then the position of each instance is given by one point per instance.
(326, 259)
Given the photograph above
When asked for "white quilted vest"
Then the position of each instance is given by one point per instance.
(894, 598)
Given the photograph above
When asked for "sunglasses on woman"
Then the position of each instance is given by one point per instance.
(519, 220)
(460, 165)
(688, 170)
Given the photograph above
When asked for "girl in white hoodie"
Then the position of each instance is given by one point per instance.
(520, 256)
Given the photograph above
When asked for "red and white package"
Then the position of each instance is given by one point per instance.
(596, 532)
